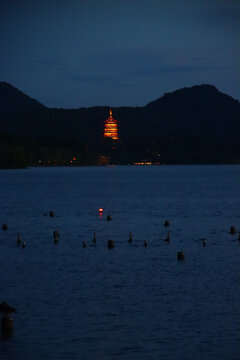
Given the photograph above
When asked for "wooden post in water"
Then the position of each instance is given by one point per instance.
(7, 320)
(56, 236)
(168, 237)
(110, 244)
(130, 237)
(4, 227)
(18, 239)
(232, 230)
(180, 255)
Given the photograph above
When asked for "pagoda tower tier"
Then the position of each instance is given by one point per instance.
(111, 128)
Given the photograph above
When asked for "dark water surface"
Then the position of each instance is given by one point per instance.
(131, 302)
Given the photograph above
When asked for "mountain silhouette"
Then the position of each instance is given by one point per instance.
(13, 101)
(198, 124)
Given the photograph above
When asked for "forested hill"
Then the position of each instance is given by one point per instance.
(14, 101)
(191, 125)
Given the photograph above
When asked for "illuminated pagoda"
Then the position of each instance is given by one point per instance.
(111, 128)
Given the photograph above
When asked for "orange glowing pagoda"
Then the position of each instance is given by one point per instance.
(111, 128)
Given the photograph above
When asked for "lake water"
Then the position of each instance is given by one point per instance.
(131, 302)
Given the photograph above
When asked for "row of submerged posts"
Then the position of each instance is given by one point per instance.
(111, 243)
(7, 310)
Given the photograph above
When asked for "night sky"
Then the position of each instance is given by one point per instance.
(74, 53)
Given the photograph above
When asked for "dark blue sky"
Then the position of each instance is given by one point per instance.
(73, 53)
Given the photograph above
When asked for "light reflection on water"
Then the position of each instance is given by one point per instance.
(131, 302)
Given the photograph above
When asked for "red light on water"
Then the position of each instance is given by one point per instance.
(100, 213)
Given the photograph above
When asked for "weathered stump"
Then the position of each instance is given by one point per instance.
(130, 237)
(168, 237)
(111, 244)
(7, 326)
(56, 236)
(180, 255)
(18, 239)
(233, 230)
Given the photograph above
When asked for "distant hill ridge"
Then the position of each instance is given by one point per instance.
(13, 100)
(12, 97)
(198, 93)
(193, 124)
